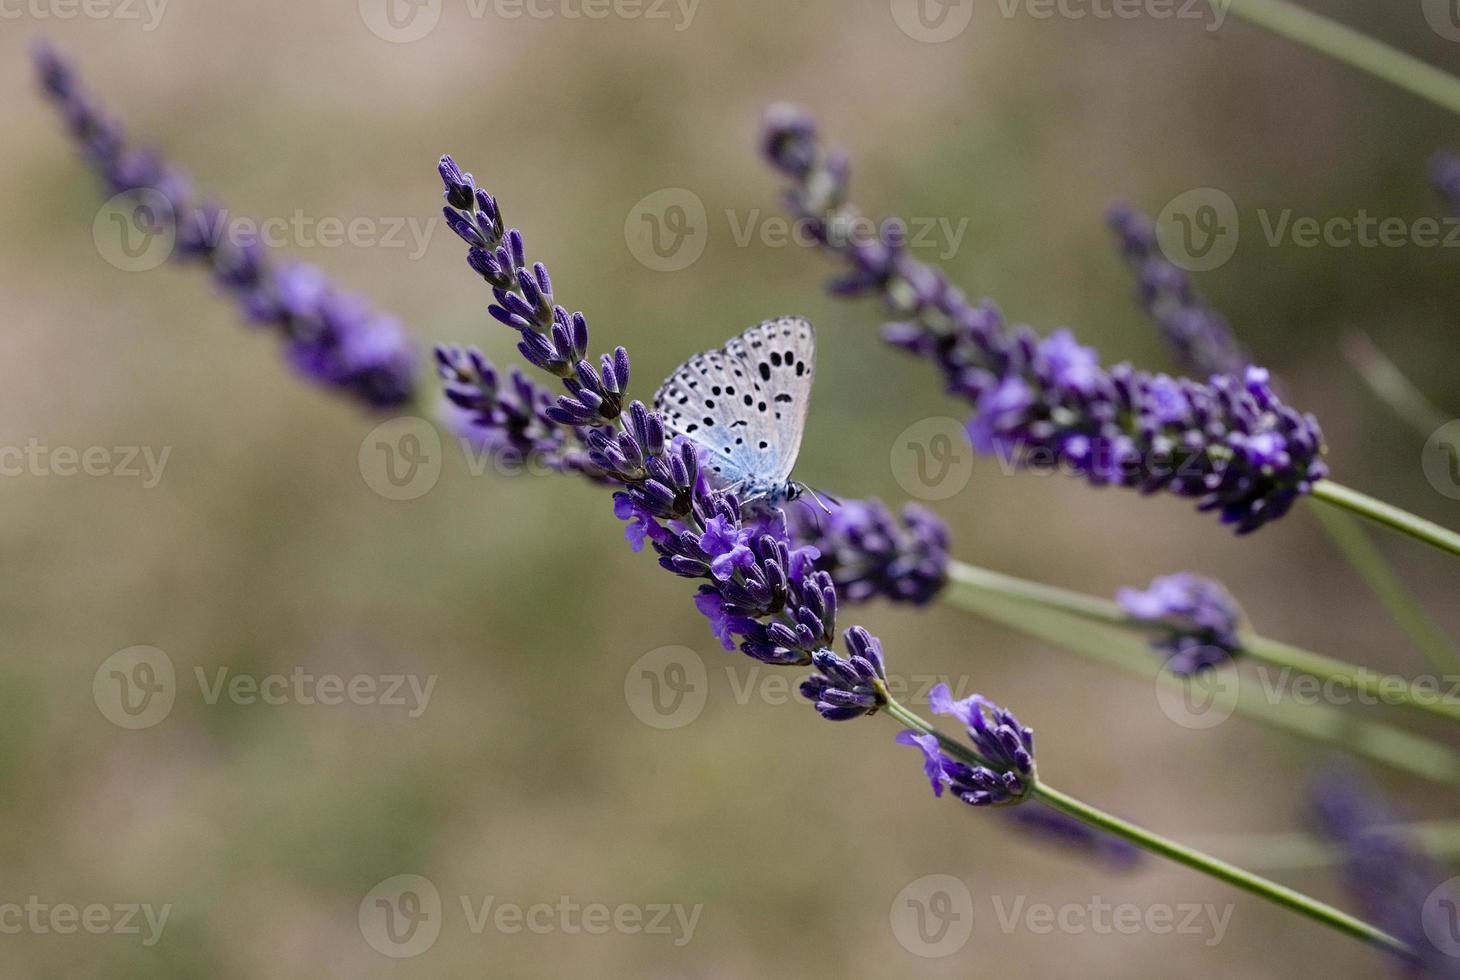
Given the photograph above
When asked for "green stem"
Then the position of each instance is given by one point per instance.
(1198, 861)
(1303, 852)
(1180, 853)
(1338, 495)
(1381, 744)
(1353, 48)
(1391, 385)
(1386, 688)
(1346, 532)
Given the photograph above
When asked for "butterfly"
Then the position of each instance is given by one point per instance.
(744, 406)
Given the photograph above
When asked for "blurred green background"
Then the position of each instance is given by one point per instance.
(528, 776)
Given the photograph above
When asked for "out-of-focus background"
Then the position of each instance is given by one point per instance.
(531, 773)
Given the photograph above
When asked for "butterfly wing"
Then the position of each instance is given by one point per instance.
(746, 404)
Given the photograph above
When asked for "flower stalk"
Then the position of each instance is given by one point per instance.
(1154, 843)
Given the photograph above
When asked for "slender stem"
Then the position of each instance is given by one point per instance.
(1117, 648)
(1346, 532)
(1180, 853)
(1198, 861)
(1386, 688)
(1302, 852)
(1353, 48)
(1338, 495)
(1391, 385)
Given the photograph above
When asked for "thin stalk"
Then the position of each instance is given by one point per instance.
(1247, 881)
(1303, 852)
(1351, 47)
(1385, 688)
(1346, 532)
(1381, 744)
(1395, 518)
(1391, 385)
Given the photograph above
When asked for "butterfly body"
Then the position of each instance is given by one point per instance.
(744, 406)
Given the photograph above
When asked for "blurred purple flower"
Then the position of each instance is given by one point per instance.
(870, 552)
(331, 337)
(1198, 336)
(1399, 887)
(1196, 620)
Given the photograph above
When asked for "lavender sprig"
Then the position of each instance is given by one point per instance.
(550, 338)
(510, 421)
(331, 337)
(758, 591)
(1230, 444)
(1197, 334)
(1004, 748)
(1196, 620)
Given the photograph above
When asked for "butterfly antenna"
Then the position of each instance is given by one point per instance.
(819, 502)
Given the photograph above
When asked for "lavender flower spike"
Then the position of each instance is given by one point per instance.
(1196, 619)
(1230, 444)
(869, 551)
(508, 421)
(758, 591)
(1399, 887)
(1198, 335)
(331, 337)
(1005, 747)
